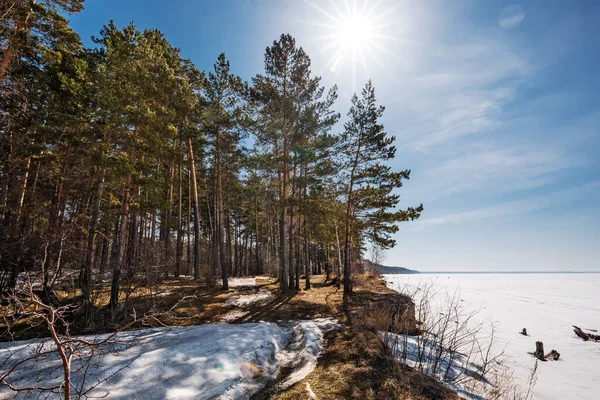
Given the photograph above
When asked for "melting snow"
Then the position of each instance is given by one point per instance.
(201, 362)
(237, 282)
(247, 299)
(232, 316)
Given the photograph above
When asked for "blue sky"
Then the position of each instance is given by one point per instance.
(495, 106)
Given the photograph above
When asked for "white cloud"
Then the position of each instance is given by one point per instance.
(509, 208)
(511, 16)
(495, 169)
(456, 91)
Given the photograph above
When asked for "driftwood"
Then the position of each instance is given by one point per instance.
(552, 356)
(539, 353)
(586, 336)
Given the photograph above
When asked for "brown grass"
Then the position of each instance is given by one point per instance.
(353, 365)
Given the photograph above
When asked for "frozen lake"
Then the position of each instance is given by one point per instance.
(547, 305)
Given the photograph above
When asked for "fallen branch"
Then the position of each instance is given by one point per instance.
(586, 336)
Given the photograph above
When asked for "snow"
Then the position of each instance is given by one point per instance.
(547, 305)
(201, 362)
(302, 354)
(237, 282)
(245, 300)
(232, 316)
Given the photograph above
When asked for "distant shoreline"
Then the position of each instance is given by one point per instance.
(500, 272)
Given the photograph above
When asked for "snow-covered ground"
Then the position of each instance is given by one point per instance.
(201, 362)
(237, 282)
(547, 305)
(244, 300)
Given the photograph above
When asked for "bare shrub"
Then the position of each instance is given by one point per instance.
(456, 347)
(77, 354)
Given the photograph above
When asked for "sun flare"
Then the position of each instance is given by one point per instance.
(355, 32)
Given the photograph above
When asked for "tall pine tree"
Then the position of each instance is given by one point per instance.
(369, 182)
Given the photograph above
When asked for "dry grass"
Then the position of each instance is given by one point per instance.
(354, 363)
(203, 306)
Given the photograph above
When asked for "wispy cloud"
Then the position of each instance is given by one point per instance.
(511, 16)
(510, 208)
(493, 168)
(456, 92)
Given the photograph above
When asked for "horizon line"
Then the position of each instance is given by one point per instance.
(503, 272)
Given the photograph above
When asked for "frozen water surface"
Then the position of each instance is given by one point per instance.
(547, 305)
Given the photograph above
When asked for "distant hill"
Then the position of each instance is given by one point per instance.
(384, 269)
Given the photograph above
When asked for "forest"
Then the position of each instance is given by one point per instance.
(125, 164)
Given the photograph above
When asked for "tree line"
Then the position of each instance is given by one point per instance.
(124, 162)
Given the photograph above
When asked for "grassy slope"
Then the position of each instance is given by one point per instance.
(353, 364)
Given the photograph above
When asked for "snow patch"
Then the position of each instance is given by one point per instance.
(232, 316)
(200, 362)
(247, 299)
(306, 347)
(237, 282)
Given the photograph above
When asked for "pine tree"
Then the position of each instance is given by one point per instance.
(30, 26)
(281, 96)
(223, 120)
(369, 182)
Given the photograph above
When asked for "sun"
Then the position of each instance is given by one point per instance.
(355, 34)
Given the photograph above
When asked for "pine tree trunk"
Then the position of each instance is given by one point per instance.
(189, 228)
(179, 255)
(132, 248)
(55, 227)
(283, 228)
(327, 266)
(306, 258)
(339, 258)
(89, 255)
(168, 213)
(347, 246)
(211, 238)
(257, 248)
(117, 262)
(105, 253)
(236, 248)
(220, 225)
(291, 253)
(251, 266)
(21, 196)
(196, 214)
(245, 253)
(216, 251)
(15, 232)
(230, 239)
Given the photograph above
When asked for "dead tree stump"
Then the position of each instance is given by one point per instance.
(539, 351)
